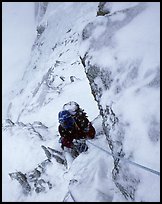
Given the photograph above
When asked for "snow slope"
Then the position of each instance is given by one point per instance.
(97, 61)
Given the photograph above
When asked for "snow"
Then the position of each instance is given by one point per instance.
(88, 177)
(120, 6)
(143, 40)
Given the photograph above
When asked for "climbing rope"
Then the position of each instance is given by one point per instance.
(72, 195)
(127, 160)
(67, 195)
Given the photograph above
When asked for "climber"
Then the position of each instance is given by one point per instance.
(74, 124)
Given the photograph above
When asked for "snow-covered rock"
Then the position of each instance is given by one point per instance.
(122, 64)
(105, 57)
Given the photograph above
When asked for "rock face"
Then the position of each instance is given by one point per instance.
(110, 83)
(33, 181)
(36, 180)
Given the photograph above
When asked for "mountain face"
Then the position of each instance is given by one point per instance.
(105, 56)
(123, 76)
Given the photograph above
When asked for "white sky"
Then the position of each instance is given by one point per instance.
(18, 34)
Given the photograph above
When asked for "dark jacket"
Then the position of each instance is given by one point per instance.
(81, 129)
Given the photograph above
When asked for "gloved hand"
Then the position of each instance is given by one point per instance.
(80, 147)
